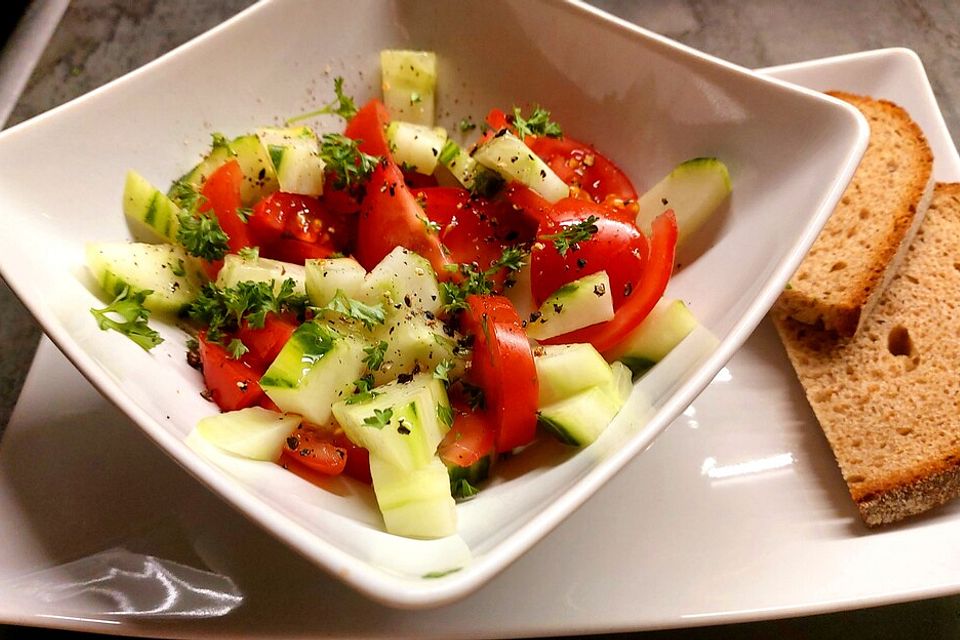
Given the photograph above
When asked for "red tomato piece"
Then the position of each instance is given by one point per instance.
(264, 343)
(606, 335)
(316, 450)
(390, 217)
(369, 127)
(503, 368)
(529, 202)
(293, 228)
(617, 247)
(469, 439)
(221, 195)
(358, 459)
(233, 384)
(296, 251)
(581, 165)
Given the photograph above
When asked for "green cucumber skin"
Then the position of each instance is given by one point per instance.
(307, 346)
(142, 202)
(557, 430)
(638, 366)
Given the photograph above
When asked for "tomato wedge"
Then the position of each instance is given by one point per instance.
(221, 195)
(606, 335)
(390, 217)
(469, 439)
(315, 450)
(264, 343)
(503, 368)
(617, 247)
(232, 384)
(579, 164)
(369, 127)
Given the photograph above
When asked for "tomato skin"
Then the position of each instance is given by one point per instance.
(294, 228)
(606, 335)
(264, 343)
(529, 202)
(233, 384)
(503, 367)
(581, 165)
(390, 217)
(315, 450)
(618, 248)
(369, 126)
(470, 438)
(358, 459)
(221, 195)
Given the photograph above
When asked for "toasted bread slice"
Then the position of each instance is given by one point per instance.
(858, 250)
(888, 398)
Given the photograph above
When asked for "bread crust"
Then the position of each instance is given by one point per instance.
(861, 245)
(888, 398)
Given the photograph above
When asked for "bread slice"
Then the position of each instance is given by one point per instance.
(859, 248)
(888, 398)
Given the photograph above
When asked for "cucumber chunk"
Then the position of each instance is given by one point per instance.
(315, 368)
(144, 203)
(409, 81)
(400, 423)
(402, 280)
(622, 381)
(237, 269)
(415, 145)
(668, 323)
(567, 369)
(507, 155)
(575, 305)
(295, 155)
(326, 276)
(254, 433)
(259, 176)
(467, 171)
(694, 190)
(414, 342)
(164, 269)
(580, 419)
(416, 503)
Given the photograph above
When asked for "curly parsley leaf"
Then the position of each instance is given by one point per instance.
(362, 390)
(343, 158)
(223, 310)
(442, 371)
(129, 306)
(201, 235)
(343, 106)
(461, 489)
(379, 419)
(369, 315)
(572, 234)
(476, 282)
(374, 355)
(445, 414)
(249, 253)
(538, 124)
(236, 348)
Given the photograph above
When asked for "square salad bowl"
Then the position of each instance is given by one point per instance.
(642, 100)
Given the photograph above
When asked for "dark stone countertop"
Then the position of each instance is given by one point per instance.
(99, 40)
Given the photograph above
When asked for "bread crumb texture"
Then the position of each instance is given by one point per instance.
(888, 398)
(855, 253)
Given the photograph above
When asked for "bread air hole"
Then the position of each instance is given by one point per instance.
(898, 341)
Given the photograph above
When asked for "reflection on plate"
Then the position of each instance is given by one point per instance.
(737, 513)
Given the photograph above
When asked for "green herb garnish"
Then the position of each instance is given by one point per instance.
(367, 314)
(538, 124)
(442, 371)
(374, 357)
(379, 419)
(362, 390)
(223, 310)
(572, 234)
(129, 306)
(236, 348)
(461, 489)
(343, 106)
(343, 158)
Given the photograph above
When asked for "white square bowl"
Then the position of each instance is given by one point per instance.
(644, 101)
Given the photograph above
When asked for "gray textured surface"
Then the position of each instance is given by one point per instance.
(99, 40)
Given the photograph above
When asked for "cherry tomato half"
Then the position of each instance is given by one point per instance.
(617, 247)
(316, 450)
(606, 335)
(581, 165)
(232, 384)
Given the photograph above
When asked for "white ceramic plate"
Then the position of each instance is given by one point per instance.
(737, 513)
(668, 104)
